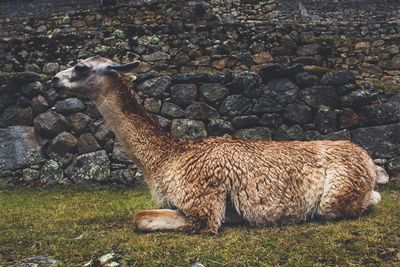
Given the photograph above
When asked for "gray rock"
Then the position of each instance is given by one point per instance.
(248, 83)
(139, 177)
(41, 29)
(201, 111)
(37, 261)
(103, 132)
(271, 120)
(182, 59)
(65, 160)
(52, 96)
(308, 50)
(188, 128)
(118, 166)
(273, 71)
(32, 89)
(160, 65)
(228, 19)
(303, 12)
(39, 104)
(50, 68)
(219, 127)
(11, 179)
(358, 98)
(257, 133)
(50, 123)
(294, 132)
(69, 106)
(235, 105)
(183, 94)
(14, 115)
(33, 67)
(62, 144)
(347, 88)
(266, 104)
(92, 110)
(19, 148)
(24, 77)
(348, 119)
(152, 105)
(109, 260)
(337, 78)
(52, 173)
(155, 87)
(393, 166)
(326, 120)
(109, 145)
(171, 110)
(162, 122)
(79, 122)
(147, 76)
(378, 114)
(200, 9)
(23, 102)
(341, 135)
(87, 143)
(380, 141)
(319, 96)
(245, 121)
(297, 113)
(119, 154)
(213, 92)
(312, 135)
(124, 176)
(30, 175)
(195, 78)
(305, 79)
(90, 167)
(283, 90)
(156, 56)
(6, 100)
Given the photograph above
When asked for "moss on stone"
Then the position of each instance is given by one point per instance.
(317, 70)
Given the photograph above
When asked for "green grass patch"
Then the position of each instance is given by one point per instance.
(77, 224)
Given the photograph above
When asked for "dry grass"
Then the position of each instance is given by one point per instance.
(76, 224)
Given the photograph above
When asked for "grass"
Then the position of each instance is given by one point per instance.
(77, 224)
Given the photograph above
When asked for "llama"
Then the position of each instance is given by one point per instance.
(268, 182)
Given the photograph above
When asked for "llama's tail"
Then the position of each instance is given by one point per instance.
(375, 198)
(381, 175)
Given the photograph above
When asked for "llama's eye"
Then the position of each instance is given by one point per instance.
(81, 67)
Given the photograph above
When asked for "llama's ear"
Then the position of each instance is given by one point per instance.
(133, 78)
(125, 68)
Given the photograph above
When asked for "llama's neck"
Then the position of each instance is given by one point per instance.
(142, 140)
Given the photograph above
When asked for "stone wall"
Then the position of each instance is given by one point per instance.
(74, 145)
(194, 36)
(208, 69)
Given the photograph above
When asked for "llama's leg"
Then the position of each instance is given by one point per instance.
(339, 205)
(206, 213)
(270, 214)
(346, 196)
(160, 220)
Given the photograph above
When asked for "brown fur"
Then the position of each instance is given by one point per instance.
(268, 182)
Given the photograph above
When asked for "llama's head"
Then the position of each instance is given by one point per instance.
(92, 77)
